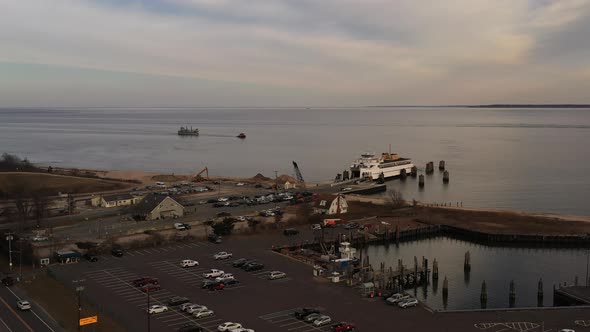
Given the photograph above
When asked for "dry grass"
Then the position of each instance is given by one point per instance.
(51, 183)
(61, 303)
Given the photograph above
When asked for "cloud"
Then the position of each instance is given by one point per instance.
(380, 51)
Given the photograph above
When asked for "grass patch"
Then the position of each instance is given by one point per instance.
(62, 303)
(53, 184)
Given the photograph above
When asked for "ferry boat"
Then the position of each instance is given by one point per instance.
(388, 165)
(241, 135)
(186, 131)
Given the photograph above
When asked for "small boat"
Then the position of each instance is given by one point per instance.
(186, 131)
(241, 135)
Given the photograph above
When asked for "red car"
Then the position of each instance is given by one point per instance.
(145, 281)
(216, 286)
(343, 327)
(150, 288)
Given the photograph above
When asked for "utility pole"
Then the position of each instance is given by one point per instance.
(79, 290)
(9, 238)
(587, 263)
(20, 259)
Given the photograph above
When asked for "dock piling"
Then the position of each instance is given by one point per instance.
(421, 181)
(483, 298)
(512, 295)
(429, 167)
(445, 292)
(403, 174)
(467, 262)
(434, 270)
(441, 165)
(446, 177)
(414, 171)
(540, 293)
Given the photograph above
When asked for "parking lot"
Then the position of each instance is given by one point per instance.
(262, 304)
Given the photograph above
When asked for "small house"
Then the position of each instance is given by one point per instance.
(156, 206)
(114, 200)
(336, 206)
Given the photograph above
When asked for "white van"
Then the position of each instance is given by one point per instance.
(188, 263)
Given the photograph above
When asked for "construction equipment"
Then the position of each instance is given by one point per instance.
(298, 175)
(199, 178)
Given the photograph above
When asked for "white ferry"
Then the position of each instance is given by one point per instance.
(389, 164)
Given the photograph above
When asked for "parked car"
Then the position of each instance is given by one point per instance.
(276, 275)
(311, 317)
(343, 327)
(290, 231)
(150, 288)
(214, 238)
(222, 199)
(156, 309)
(177, 300)
(203, 313)
(241, 329)
(180, 226)
(225, 277)
(322, 320)
(303, 312)
(195, 307)
(23, 305)
(396, 298)
(117, 252)
(411, 302)
(90, 257)
(231, 282)
(222, 255)
(316, 227)
(185, 306)
(213, 273)
(254, 267)
(216, 286)
(144, 281)
(228, 326)
(352, 225)
(190, 327)
(8, 281)
(224, 214)
(188, 263)
(39, 238)
(239, 262)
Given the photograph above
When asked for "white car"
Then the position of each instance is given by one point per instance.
(179, 226)
(229, 326)
(411, 302)
(203, 313)
(316, 227)
(240, 184)
(222, 255)
(241, 218)
(39, 238)
(195, 307)
(188, 263)
(213, 273)
(225, 277)
(222, 199)
(156, 309)
(185, 306)
(276, 275)
(322, 320)
(241, 329)
(23, 305)
(397, 297)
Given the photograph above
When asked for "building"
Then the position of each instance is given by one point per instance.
(289, 185)
(114, 200)
(337, 206)
(155, 206)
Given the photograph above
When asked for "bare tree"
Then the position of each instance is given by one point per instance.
(396, 197)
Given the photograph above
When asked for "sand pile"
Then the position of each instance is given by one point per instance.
(260, 178)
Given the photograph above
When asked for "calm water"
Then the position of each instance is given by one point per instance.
(523, 159)
(497, 266)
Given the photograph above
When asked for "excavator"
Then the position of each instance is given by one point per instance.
(199, 178)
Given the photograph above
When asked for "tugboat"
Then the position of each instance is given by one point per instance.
(241, 135)
(186, 131)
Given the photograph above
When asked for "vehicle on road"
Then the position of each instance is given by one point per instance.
(411, 302)
(144, 281)
(203, 313)
(254, 267)
(290, 232)
(322, 320)
(188, 263)
(222, 255)
(303, 312)
(311, 317)
(150, 288)
(214, 238)
(316, 227)
(396, 298)
(343, 327)
(276, 275)
(178, 300)
(117, 252)
(213, 273)
(156, 309)
(195, 307)
(239, 262)
(228, 326)
(90, 257)
(23, 305)
(190, 327)
(225, 277)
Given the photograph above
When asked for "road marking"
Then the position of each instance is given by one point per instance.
(1, 320)
(16, 315)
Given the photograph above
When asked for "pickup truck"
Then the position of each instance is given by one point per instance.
(213, 273)
(222, 255)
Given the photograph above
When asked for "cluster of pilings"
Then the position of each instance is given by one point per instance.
(429, 170)
(403, 277)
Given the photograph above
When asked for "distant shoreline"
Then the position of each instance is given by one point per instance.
(495, 106)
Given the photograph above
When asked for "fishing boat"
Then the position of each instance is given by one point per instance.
(241, 135)
(186, 131)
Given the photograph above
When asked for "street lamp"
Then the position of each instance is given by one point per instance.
(79, 290)
(9, 238)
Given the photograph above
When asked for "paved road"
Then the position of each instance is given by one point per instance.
(266, 305)
(13, 319)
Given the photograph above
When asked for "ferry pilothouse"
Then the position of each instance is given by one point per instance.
(389, 164)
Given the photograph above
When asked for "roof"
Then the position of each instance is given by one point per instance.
(117, 197)
(149, 203)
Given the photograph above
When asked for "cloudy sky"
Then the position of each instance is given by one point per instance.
(293, 52)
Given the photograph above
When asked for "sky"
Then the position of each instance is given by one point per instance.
(202, 53)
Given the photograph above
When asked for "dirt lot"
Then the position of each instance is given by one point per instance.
(56, 183)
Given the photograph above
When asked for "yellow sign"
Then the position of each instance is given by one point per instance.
(88, 320)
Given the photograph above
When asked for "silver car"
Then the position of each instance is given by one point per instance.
(322, 320)
(411, 302)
